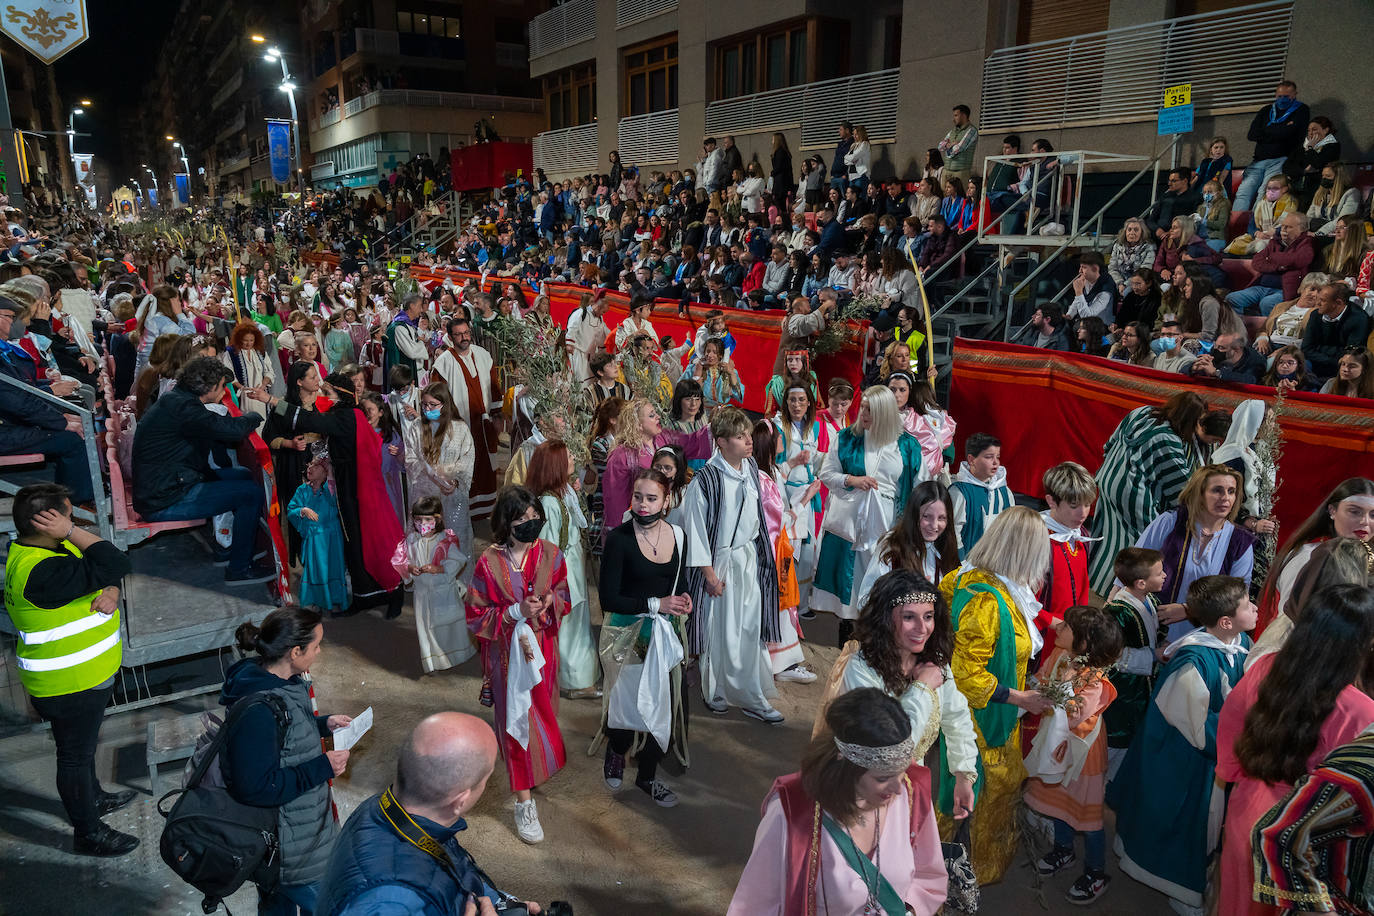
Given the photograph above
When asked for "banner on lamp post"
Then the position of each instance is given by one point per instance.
(152, 198)
(47, 29)
(85, 175)
(183, 193)
(279, 149)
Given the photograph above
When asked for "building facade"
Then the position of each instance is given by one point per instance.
(389, 79)
(38, 116)
(651, 78)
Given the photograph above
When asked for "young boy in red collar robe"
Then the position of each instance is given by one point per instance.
(1071, 491)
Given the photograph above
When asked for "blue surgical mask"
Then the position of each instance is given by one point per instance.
(1209, 197)
(433, 414)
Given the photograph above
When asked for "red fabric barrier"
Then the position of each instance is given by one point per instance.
(484, 166)
(756, 333)
(1049, 407)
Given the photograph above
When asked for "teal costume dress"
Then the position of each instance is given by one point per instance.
(322, 555)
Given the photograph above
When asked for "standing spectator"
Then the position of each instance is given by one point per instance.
(783, 184)
(709, 170)
(62, 594)
(1277, 131)
(1337, 328)
(958, 145)
(730, 160)
(839, 168)
(859, 160)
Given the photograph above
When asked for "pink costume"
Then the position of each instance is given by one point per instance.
(935, 431)
(623, 464)
(1250, 798)
(787, 651)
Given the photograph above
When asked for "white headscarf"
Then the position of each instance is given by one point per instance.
(1245, 425)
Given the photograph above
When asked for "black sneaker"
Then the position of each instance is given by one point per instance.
(1088, 888)
(807, 614)
(614, 770)
(663, 796)
(251, 576)
(1055, 861)
(110, 802)
(104, 842)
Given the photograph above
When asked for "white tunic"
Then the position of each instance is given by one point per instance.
(587, 334)
(884, 465)
(943, 711)
(440, 615)
(577, 660)
(454, 467)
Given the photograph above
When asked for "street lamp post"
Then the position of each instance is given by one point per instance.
(186, 163)
(275, 55)
(156, 189)
(71, 142)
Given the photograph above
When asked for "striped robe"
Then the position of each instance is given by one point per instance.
(1144, 467)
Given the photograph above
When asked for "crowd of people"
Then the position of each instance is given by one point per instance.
(613, 460)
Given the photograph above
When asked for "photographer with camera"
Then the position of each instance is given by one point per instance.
(399, 853)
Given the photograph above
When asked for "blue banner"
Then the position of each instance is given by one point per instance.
(152, 197)
(279, 149)
(183, 186)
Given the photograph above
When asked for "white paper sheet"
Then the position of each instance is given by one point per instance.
(346, 737)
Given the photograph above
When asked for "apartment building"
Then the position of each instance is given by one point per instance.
(388, 79)
(650, 78)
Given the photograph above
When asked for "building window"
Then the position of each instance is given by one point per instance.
(425, 24)
(777, 58)
(570, 96)
(651, 77)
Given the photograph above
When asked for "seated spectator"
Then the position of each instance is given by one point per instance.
(1231, 360)
(1333, 198)
(1134, 345)
(29, 425)
(954, 206)
(1353, 377)
(1216, 167)
(897, 281)
(174, 480)
(1182, 245)
(1337, 328)
(1265, 218)
(1288, 370)
(852, 206)
(832, 232)
(925, 202)
(1203, 317)
(1142, 300)
(1094, 293)
(942, 245)
(1179, 198)
(1010, 201)
(842, 272)
(1344, 255)
(913, 238)
(1277, 131)
(1091, 338)
(1280, 267)
(1046, 329)
(1214, 214)
(753, 273)
(1319, 150)
(1287, 323)
(1132, 251)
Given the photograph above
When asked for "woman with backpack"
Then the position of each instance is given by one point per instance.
(295, 779)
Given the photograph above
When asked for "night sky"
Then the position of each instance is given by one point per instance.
(111, 69)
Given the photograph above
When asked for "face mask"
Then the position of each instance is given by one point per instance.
(1328, 182)
(424, 525)
(1272, 194)
(18, 329)
(646, 520)
(527, 532)
(884, 230)
(433, 414)
(1209, 196)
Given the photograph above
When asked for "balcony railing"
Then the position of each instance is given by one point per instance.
(561, 27)
(418, 98)
(869, 99)
(628, 12)
(237, 163)
(329, 118)
(648, 138)
(233, 127)
(572, 149)
(1232, 58)
(227, 90)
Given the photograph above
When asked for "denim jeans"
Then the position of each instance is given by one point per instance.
(75, 719)
(1262, 297)
(287, 900)
(64, 448)
(235, 491)
(1094, 844)
(1256, 174)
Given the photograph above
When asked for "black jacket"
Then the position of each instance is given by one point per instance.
(1281, 140)
(1325, 341)
(171, 444)
(1248, 371)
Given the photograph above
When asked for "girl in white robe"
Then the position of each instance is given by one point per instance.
(439, 455)
(430, 560)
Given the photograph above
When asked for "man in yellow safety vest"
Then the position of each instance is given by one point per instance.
(62, 593)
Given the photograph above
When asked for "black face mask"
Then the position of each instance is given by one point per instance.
(527, 532)
(644, 521)
(1328, 182)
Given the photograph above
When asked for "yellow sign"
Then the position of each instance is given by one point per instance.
(1182, 94)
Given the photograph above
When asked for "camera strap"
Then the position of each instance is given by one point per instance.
(405, 826)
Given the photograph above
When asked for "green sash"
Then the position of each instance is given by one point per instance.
(888, 897)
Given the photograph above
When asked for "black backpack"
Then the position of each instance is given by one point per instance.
(213, 842)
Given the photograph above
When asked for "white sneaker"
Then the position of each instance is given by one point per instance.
(798, 673)
(527, 822)
(765, 713)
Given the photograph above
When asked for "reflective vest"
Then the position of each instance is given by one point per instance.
(61, 650)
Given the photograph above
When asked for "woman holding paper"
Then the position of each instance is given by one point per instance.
(518, 597)
(643, 592)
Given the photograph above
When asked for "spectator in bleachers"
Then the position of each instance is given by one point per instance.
(1202, 317)
(1214, 214)
(709, 170)
(1141, 301)
(159, 313)
(173, 480)
(1337, 328)
(1134, 345)
(812, 182)
(1280, 266)
(832, 232)
(959, 144)
(925, 202)
(1004, 173)
(1046, 329)
(1010, 202)
(839, 169)
(842, 271)
(1265, 218)
(851, 207)
(1216, 167)
(1178, 199)
(1320, 149)
(1231, 360)
(1277, 131)
(782, 184)
(935, 166)
(730, 158)
(1132, 251)
(1353, 378)
(1334, 197)
(859, 160)
(1094, 293)
(1288, 370)
(1287, 323)
(942, 244)
(1343, 256)
(1182, 245)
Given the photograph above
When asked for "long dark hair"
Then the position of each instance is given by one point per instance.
(1328, 652)
(904, 547)
(284, 629)
(294, 374)
(511, 503)
(876, 638)
(866, 717)
(1317, 525)
(1182, 412)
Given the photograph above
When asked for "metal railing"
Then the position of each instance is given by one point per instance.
(567, 150)
(329, 118)
(229, 88)
(648, 138)
(1232, 59)
(628, 12)
(562, 27)
(233, 165)
(420, 98)
(867, 98)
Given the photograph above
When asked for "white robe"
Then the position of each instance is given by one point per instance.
(577, 659)
(885, 466)
(440, 615)
(454, 465)
(734, 663)
(629, 328)
(478, 362)
(587, 334)
(802, 529)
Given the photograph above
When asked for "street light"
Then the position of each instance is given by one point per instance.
(186, 163)
(71, 139)
(274, 55)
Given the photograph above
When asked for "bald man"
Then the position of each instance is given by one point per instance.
(382, 864)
